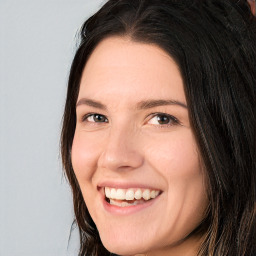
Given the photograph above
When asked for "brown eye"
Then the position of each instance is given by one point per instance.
(163, 119)
(99, 118)
(95, 118)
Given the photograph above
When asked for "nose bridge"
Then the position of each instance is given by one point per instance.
(121, 150)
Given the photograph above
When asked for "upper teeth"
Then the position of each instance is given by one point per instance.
(130, 194)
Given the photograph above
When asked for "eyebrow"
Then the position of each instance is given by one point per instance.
(156, 103)
(91, 103)
(146, 104)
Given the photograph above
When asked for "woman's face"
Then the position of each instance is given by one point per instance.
(134, 153)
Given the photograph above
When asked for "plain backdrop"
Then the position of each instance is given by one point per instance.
(37, 43)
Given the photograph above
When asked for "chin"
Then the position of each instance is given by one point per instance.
(123, 250)
(124, 247)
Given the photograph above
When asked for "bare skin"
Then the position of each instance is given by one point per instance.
(133, 132)
(252, 4)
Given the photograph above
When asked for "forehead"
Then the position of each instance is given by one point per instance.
(131, 70)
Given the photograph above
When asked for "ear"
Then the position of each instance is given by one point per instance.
(252, 4)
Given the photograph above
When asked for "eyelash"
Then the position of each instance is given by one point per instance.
(85, 117)
(172, 119)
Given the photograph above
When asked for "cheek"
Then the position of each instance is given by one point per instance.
(177, 161)
(84, 156)
(175, 156)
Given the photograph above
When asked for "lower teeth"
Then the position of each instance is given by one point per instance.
(125, 203)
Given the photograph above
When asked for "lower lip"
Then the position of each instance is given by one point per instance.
(117, 210)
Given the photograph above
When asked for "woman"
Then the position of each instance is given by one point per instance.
(158, 139)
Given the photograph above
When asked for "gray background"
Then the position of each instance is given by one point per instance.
(37, 43)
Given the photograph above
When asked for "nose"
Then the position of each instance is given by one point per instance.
(121, 151)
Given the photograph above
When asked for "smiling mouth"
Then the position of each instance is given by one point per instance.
(129, 197)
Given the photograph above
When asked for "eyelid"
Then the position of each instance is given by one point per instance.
(86, 116)
(175, 120)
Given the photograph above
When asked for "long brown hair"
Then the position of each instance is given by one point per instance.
(212, 42)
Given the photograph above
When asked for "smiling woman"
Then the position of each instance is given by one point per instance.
(158, 139)
(128, 156)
